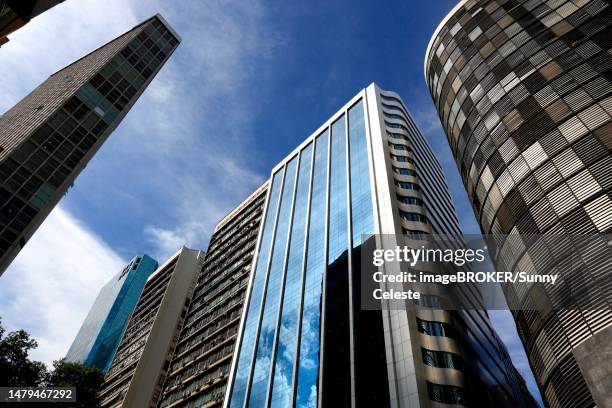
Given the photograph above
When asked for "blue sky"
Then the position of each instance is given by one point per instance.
(249, 82)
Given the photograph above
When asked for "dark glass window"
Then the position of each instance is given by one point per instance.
(403, 159)
(441, 359)
(400, 147)
(433, 328)
(446, 394)
(406, 185)
(396, 126)
(405, 172)
(409, 200)
(415, 217)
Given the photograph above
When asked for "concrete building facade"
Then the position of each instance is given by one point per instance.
(139, 368)
(48, 138)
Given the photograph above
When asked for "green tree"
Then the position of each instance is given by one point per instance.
(87, 381)
(16, 369)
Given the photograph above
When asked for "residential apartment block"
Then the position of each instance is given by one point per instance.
(48, 137)
(139, 368)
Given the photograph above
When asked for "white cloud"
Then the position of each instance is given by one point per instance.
(56, 38)
(179, 161)
(166, 241)
(51, 285)
(186, 146)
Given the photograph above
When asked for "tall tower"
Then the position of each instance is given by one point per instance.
(523, 90)
(305, 339)
(49, 136)
(139, 368)
(97, 341)
(200, 367)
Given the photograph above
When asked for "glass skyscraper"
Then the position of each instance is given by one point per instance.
(305, 340)
(49, 136)
(524, 93)
(97, 340)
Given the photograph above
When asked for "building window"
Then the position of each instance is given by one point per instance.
(446, 394)
(396, 126)
(414, 234)
(441, 359)
(391, 107)
(428, 301)
(414, 217)
(397, 136)
(405, 172)
(400, 147)
(406, 185)
(435, 328)
(391, 99)
(410, 200)
(402, 159)
(393, 116)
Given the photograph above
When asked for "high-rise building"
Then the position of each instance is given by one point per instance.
(200, 367)
(304, 339)
(49, 136)
(99, 336)
(523, 90)
(14, 14)
(138, 370)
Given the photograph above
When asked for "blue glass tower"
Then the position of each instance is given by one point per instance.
(99, 336)
(304, 340)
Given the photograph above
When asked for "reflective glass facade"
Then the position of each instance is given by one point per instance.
(310, 323)
(309, 263)
(285, 352)
(100, 334)
(49, 136)
(258, 280)
(304, 340)
(265, 342)
(523, 90)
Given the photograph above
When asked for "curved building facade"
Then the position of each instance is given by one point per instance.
(523, 90)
